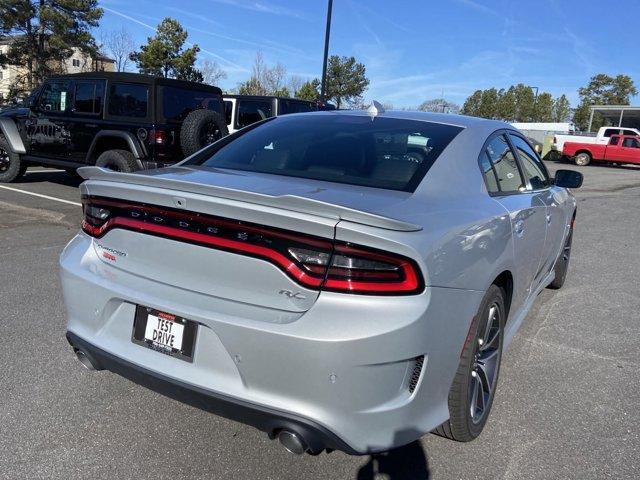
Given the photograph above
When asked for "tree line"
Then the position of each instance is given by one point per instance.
(519, 103)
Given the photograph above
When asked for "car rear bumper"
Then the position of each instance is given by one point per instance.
(269, 420)
(342, 370)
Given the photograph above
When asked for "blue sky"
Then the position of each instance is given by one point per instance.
(413, 50)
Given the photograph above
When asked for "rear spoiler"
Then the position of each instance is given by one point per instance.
(285, 202)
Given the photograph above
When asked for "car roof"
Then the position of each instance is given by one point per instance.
(141, 78)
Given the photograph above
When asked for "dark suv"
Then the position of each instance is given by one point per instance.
(122, 121)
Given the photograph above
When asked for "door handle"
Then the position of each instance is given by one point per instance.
(548, 219)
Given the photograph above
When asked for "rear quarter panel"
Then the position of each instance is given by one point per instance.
(570, 149)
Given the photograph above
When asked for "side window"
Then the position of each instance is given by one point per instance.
(177, 103)
(629, 132)
(54, 97)
(252, 111)
(292, 106)
(614, 140)
(228, 108)
(128, 100)
(610, 131)
(533, 169)
(631, 143)
(488, 173)
(505, 165)
(88, 97)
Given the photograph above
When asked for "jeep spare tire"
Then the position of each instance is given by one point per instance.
(201, 128)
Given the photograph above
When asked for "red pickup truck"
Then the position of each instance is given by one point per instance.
(620, 149)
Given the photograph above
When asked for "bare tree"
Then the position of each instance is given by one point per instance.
(212, 72)
(439, 105)
(118, 44)
(265, 80)
(275, 80)
(295, 84)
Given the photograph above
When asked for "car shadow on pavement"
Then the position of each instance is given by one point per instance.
(404, 463)
(61, 178)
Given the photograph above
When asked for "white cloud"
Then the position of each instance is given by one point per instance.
(262, 7)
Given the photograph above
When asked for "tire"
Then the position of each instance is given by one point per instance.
(582, 159)
(201, 128)
(479, 361)
(11, 165)
(562, 263)
(118, 160)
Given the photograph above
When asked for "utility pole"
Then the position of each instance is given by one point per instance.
(323, 89)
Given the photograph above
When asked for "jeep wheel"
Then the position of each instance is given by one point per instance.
(11, 166)
(118, 160)
(201, 128)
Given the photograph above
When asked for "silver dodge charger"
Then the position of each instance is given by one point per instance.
(340, 280)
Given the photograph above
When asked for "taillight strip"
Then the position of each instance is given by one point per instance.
(220, 243)
(333, 278)
(220, 222)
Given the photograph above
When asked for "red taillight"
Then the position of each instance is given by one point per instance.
(314, 262)
(159, 137)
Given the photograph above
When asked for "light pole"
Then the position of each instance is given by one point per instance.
(323, 89)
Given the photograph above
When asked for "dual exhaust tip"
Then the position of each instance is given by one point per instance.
(291, 441)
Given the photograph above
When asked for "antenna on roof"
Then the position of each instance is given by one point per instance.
(375, 109)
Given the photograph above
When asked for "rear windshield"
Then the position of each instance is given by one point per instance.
(177, 103)
(381, 152)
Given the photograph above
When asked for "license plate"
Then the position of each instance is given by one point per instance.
(164, 332)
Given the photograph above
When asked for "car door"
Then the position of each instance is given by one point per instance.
(613, 151)
(527, 211)
(86, 116)
(539, 182)
(48, 130)
(629, 151)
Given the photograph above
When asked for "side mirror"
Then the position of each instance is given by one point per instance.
(568, 179)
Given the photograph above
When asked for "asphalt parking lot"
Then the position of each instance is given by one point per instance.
(566, 405)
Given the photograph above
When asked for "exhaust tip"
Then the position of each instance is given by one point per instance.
(85, 360)
(292, 442)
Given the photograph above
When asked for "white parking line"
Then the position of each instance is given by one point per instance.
(61, 200)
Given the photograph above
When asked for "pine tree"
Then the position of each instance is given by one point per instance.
(346, 80)
(164, 55)
(309, 90)
(44, 34)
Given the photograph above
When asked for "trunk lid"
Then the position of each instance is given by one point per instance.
(292, 209)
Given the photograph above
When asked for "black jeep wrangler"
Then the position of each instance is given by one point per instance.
(122, 121)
